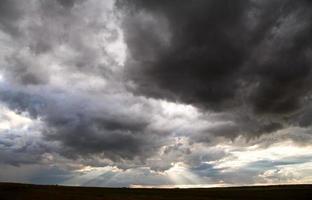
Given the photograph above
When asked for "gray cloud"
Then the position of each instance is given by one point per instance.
(68, 3)
(192, 52)
(90, 129)
(138, 89)
(11, 12)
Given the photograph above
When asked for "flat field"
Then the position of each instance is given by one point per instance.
(14, 191)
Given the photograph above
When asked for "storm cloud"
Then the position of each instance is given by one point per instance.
(221, 54)
(155, 93)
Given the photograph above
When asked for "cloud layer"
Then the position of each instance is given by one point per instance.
(155, 93)
(220, 55)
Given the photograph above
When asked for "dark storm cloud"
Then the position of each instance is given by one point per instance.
(205, 51)
(221, 54)
(90, 129)
(84, 134)
(91, 117)
(10, 13)
(68, 98)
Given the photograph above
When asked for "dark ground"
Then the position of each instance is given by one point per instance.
(12, 191)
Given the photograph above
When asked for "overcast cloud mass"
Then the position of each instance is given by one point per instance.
(137, 93)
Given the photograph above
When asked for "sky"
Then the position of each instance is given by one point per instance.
(137, 93)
